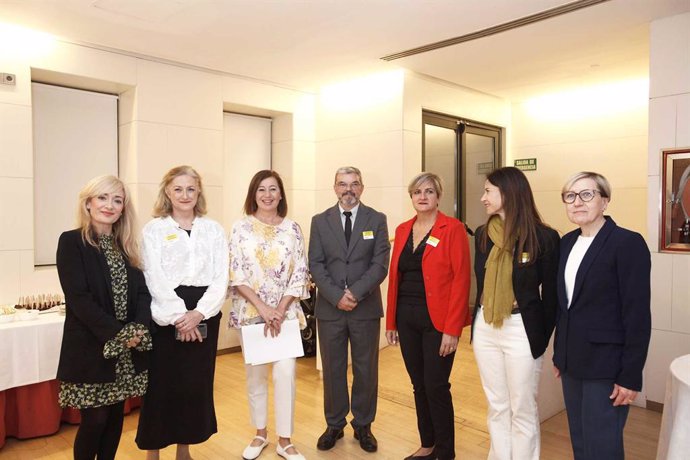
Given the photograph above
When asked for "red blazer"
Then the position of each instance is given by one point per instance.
(446, 269)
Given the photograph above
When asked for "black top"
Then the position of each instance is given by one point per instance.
(411, 291)
(534, 285)
(91, 319)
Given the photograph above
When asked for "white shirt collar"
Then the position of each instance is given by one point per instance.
(352, 218)
(353, 211)
(173, 223)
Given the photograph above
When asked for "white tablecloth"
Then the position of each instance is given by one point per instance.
(674, 437)
(30, 350)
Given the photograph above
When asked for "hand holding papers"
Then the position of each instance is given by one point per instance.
(260, 349)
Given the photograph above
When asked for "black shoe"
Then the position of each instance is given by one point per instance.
(367, 440)
(431, 456)
(328, 438)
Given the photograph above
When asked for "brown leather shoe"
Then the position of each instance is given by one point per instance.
(367, 440)
(328, 438)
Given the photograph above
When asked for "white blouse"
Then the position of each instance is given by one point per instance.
(572, 265)
(173, 258)
(271, 260)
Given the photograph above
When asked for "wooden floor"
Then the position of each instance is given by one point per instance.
(395, 425)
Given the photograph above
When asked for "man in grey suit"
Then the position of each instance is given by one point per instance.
(349, 253)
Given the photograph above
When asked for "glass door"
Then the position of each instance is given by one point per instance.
(462, 152)
(480, 154)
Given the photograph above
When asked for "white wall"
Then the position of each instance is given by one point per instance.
(424, 93)
(359, 124)
(168, 115)
(669, 127)
(610, 140)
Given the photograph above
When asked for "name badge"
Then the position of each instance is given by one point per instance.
(432, 241)
(171, 237)
(524, 257)
(368, 235)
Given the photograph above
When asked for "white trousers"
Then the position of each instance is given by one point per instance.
(283, 395)
(510, 377)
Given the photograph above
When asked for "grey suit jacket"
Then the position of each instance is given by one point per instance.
(362, 266)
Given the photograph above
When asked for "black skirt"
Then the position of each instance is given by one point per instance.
(178, 406)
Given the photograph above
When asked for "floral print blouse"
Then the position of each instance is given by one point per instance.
(271, 260)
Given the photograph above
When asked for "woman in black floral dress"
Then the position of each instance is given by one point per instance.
(103, 359)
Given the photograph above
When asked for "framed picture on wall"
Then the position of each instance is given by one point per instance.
(675, 200)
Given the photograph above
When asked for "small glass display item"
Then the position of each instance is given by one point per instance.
(675, 201)
(41, 302)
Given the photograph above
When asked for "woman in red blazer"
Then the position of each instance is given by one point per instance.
(428, 306)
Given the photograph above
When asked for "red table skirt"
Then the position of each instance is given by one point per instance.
(32, 410)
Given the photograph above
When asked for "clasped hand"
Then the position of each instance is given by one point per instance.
(273, 318)
(187, 326)
(348, 302)
(136, 340)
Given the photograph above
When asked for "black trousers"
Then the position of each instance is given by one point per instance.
(429, 372)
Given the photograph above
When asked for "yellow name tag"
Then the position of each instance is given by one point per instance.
(171, 237)
(524, 257)
(433, 241)
(368, 235)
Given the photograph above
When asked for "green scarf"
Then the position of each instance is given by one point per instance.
(498, 296)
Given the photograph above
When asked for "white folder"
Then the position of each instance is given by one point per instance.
(260, 349)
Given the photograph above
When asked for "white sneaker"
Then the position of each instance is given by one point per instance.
(282, 451)
(251, 452)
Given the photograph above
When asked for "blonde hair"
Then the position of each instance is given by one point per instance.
(163, 206)
(602, 183)
(123, 228)
(420, 179)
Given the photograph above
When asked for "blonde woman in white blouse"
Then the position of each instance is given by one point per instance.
(268, 276)
(186, 269)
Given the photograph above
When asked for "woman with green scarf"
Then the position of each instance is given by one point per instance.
(516, 263)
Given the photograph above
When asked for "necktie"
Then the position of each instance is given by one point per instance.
(348, 226)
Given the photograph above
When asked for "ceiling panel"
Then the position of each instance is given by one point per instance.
(307, 44)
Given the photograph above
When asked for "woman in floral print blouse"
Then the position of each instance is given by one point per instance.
(268, 277)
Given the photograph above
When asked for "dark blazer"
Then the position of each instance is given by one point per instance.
(90, 320)
(534, 286)
(362, 266)
(446, 269)
(605, 332)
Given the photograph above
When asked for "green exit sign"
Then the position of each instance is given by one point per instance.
(526, 164)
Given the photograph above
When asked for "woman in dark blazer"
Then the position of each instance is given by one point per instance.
(103, 358)
(516, 259)
(428, 306)
(603, 323)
